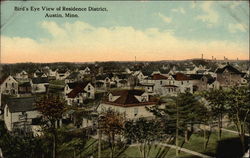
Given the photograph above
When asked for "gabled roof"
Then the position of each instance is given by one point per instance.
(77, 88)
(40, 80)
(228, 68)
(159, 77)
(127, 96)
(77, 84)
(39, 74)
(21, 104)
(5, 78)
(180, 77)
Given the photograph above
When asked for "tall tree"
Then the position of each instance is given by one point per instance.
(112, 125)
(146, 133)
(179, 113)
(217, 103)
(52, 108)
(239, 109)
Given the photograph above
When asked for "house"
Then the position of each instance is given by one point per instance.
(22, 76)
(9, 86)
(85, 71)
(74, 77)
(62, 74)
(76, 93)
(38, 74)
(39, 85)
(132, 103)
(103, 81)
(182, 81)
(24, 88)
(228, 76)
(19, 113)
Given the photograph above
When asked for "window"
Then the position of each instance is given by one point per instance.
(6, 85)
(161, 82)
(13, 85)
(89, 88)
(181, 82)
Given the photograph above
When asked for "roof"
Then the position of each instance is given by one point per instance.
(21, 104)
(195, 76)
(40, 80)
(39, 74)
(159, 77)
(170, 86)
(181, 77)
(127, 96)
(78, 88)
(211, 80)
(75, 84)
(24, 84)
(73, 75)
(62, 71)
(228, 68)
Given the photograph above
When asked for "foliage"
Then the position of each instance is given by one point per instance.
(238, 107)
(111, 124)
(146, 133)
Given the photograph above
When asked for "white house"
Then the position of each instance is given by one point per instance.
(39, 73)
(182, 81)
(132, 103)
(22, 76)
(62, 74)
(76, 93)
(39, 85)
(9, 86)
(19, 112)
(85, 71)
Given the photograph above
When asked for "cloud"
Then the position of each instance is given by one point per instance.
(179, 10)
(233, 28)
(165, 18)
(82, 42)
(210, 16)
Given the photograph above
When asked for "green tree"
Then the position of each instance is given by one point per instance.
(52, 108)
(179, 113)
(238, 110)
(217, 104)
(147, 133)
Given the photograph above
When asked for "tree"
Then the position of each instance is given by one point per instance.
(238, 110)
(217, 101)
(112, 125)
(146, 133)
(52, 108)
(178, 114)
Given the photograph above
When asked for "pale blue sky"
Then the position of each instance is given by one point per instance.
(186, 20)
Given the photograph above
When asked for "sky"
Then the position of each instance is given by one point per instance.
(151, 31)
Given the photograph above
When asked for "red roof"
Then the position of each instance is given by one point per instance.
(180, 77)
(159, 77)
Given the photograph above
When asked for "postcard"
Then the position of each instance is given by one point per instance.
(134, 79)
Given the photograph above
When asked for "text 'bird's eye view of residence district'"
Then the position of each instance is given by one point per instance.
(124, 79)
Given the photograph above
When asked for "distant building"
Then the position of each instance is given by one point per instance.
(132, 103)
(22, 76)
(76, 93)
(228, 76)
(39, 85)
